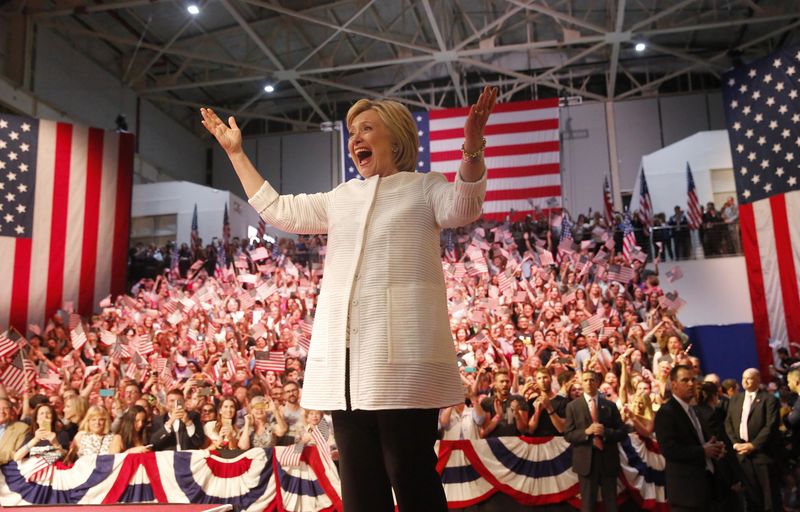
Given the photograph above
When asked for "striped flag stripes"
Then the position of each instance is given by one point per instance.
(629, 246)
(608, 202)
(693, 211)
(17, 374)
(645, 204)
(10, 342)
(522, 154)
(78, 336)
(71, 242)
(290, 456)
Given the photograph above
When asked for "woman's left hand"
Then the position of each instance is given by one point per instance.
(477, 118)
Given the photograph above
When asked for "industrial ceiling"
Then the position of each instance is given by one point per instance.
(321, 55)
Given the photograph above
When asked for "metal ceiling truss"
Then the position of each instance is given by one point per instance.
(321, 55)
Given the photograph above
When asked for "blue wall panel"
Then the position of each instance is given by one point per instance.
(726, 350)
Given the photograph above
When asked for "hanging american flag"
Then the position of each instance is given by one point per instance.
(608, 202)
(693, 215)
(628, 239)
(65, 203)
(763, 120)
(645, 204)
(522, 154)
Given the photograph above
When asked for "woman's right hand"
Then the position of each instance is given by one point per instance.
(229, 137)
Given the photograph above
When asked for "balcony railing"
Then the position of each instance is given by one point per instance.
(712, 240)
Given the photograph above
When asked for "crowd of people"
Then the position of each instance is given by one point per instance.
(669, 235)
(200, 354)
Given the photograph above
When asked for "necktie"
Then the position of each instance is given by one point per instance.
(748, 398)
(696, 424)
(596, 440)
(699, 430)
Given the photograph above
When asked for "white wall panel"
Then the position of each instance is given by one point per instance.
(88, 94)
(584, 156)
(638, 133)
(682, 116)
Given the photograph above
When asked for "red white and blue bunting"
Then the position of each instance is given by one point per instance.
(532, 471)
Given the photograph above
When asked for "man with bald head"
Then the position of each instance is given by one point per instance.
(752, 425)
(12, 432)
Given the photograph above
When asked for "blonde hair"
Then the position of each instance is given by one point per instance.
(93, 412)
(79, 405)
(398, 121)
(646, 404)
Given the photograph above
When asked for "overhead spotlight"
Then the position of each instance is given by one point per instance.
(640, 47)
(193, 9)
(269, 88)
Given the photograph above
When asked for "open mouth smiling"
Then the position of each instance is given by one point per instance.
(363, 156)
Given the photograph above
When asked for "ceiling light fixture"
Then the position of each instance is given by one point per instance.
(193, 9)
(269, 88)
(640, 47)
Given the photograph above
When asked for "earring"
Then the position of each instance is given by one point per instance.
(395, 149)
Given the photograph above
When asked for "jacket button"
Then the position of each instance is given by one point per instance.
(355, 330)
(355, 302)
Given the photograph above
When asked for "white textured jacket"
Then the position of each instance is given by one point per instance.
(384, 282)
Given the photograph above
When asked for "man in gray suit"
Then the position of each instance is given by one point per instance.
(687, 447)
(594, 428)
(752, 425)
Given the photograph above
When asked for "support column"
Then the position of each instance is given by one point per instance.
(20, 46)
(611, 128)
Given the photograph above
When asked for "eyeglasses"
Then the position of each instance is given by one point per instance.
(205, 410)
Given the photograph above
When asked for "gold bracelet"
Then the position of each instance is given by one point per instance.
(471, 157)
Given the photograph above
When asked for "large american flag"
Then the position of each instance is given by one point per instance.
(65, 199)
(522, 154)
(763, 119)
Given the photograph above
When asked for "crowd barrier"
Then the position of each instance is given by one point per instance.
(532, 471)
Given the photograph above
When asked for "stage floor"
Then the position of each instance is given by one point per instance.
(132, 507)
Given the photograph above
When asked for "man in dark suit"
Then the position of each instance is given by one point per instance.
(179, 429)
(687, 447)
(752, 426)
(594, 428)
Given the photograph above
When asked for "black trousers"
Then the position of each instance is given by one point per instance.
(384, 450)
